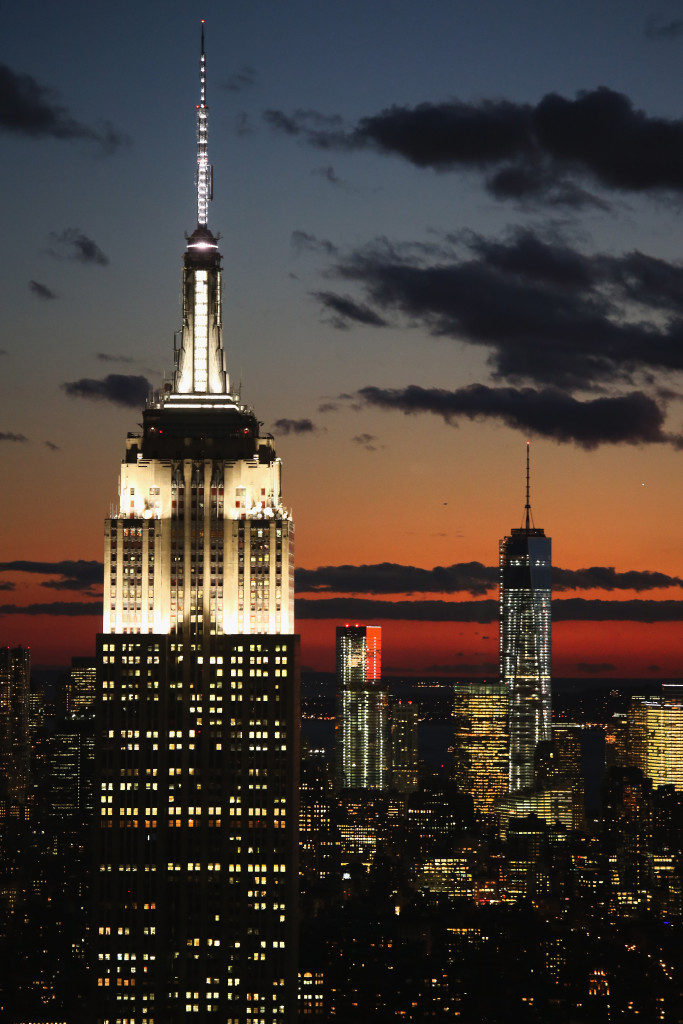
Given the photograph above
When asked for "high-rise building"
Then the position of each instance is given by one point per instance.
(525, 564)
(559, 762)
(196, 878)
(361, 727)
(480, 742)
(72, 757)
(79, 686)
(15, 744)
(404, 746)
(655, 728)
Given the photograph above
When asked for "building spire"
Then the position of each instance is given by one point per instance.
(204, 168)
(527, 508)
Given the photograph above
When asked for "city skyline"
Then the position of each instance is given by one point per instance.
(346, 227)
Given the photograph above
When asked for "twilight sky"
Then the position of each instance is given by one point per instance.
(446, 228)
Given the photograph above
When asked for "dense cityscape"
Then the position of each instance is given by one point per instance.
(192, 828)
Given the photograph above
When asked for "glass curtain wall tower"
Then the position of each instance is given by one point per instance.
(196, 876)
(525, 565)
(361, 727)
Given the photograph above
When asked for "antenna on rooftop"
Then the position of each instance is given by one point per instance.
(527, 508)
(204, 168)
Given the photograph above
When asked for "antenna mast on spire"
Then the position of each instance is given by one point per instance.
(204, 168)
(527, 507)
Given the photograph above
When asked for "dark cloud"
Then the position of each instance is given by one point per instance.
(73, 575)
(130, 390)
(531, 184)
(655, 29)
(72, 244)
(281, 122)
(578, 609)
(302, 241)
(546, 312)
(61, 608)
(6, 586)
(463, 577)
(367, 441)
(329, 174)
(595, 667)
(41, 290)
(355, 609)
(302, 426)
(390, 578)
(243, 79)
(345, 309)
(607, 578)
(601, 133)
(326, 131)
(9, 436)
(633, 419)
(30, 109)
(108, 357)
(53, 447)
(243, 125)
(528, 151)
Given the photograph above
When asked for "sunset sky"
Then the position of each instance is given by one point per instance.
(447, 228)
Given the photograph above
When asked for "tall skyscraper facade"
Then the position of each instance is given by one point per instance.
(480, 742)
(405, 716)
(361, 727)
(15, 746)
(655, 726)
(196, 877)
(525, 593)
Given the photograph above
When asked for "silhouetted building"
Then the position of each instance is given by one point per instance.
(196, 877)
(361, 727)
(525, 562)
(15, 744)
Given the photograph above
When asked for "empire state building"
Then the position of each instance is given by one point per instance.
(196, 873)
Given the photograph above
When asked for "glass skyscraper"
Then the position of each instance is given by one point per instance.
(525, 594)
(361, 726)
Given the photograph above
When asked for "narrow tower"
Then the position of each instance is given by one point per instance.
(525, 563)
(361, 726)
(197, 764)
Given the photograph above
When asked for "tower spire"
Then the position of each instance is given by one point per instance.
(204, 168)
(527, 507)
